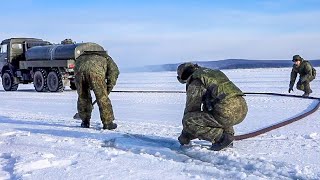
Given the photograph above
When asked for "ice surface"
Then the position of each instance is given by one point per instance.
(40, 140)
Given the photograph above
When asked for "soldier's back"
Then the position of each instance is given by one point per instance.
(91, 63)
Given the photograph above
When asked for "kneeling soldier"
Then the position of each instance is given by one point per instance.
(214, 105)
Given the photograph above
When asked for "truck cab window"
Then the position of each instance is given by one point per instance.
(3, 48)
(16, 46)
(17, 49)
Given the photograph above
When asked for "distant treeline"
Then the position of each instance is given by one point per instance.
(227, 64)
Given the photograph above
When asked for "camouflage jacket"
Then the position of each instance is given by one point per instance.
(211, 84)
(306, 71)
(99, 64)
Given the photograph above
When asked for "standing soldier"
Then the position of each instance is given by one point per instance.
(307, 74)
(91, 70)
(214, 105)
(67, 41)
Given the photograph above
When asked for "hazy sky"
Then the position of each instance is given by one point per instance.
(146, 32)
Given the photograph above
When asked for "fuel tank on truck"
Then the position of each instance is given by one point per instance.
(60, 51)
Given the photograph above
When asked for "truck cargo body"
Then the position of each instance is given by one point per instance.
(60, 51)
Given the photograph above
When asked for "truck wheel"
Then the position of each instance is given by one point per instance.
(40, 80)
(7, 82)
(54, 81)
(73, 86)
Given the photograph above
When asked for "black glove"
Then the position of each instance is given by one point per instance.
(290, 89)
(208, 104)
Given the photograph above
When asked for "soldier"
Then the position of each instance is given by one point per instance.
(214, 104)
(92, 68)
(67, 41)
(307, 74)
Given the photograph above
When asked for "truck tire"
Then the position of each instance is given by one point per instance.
(40, 80)
(54, 81)
(8, 83)
(73, 86)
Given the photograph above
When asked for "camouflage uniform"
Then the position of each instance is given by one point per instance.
(91, 71)
(67, 41)
(214, 104)
(307, 74)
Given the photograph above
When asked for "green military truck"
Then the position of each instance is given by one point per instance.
(48, 66)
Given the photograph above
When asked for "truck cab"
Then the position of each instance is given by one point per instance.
(12, 51)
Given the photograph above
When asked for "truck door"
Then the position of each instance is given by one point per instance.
(17, 54)
(3, 55)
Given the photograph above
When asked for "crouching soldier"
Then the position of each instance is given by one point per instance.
(307, 74)
(92, 68)
(214, 105)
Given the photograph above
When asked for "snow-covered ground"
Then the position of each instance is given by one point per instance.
(40, 140)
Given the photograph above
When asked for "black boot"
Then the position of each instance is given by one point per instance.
(85, 124)
(185, 138)
(305, 94)
(224, 142)
(110, 126)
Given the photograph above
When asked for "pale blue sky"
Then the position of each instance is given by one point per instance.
(142, 32)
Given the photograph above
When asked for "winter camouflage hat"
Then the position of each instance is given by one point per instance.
(182, 69)
(297, 58)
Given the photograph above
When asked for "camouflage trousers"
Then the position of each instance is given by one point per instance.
(85, 82)
(210, 125)
(304, 86)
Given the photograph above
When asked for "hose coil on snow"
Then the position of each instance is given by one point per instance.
(280, 124)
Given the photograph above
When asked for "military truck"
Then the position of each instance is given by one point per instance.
(48, 66)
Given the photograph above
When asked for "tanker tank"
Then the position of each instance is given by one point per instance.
(60, 51)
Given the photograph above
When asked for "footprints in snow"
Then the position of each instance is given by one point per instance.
(26, 165)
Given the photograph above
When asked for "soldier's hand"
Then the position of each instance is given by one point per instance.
(290, 89)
